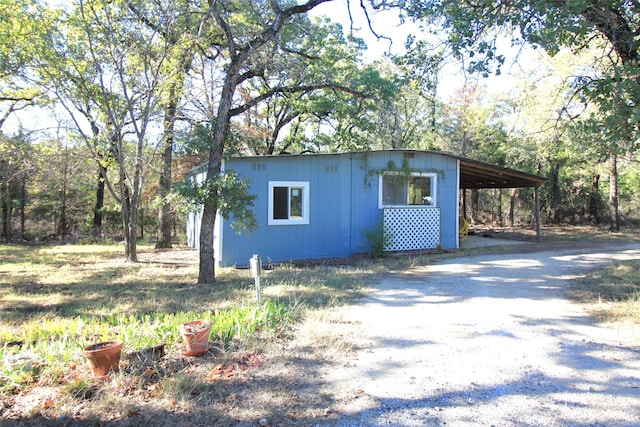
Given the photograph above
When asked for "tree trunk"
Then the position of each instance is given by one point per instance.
(493, 207)
(206, 272)
(500, 219)
(613, 194)
(23, 204)
(594, 199)
(512, 206)
(132, 244)
(63, 226)
(536, 214)
(238, 58)
(3, 209)
(96, 226)
(6, 210)
(164, 213)
(207, 262)
(127, 215)
(136, 190)
(475, 202)
(556, 206)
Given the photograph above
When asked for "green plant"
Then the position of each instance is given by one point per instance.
(377, 239)
(65, 297)
(276, 315)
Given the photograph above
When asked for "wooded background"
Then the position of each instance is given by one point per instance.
(105, 105)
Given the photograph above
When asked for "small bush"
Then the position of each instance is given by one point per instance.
(377, 239)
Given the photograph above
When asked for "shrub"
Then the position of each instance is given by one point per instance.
(377, 239)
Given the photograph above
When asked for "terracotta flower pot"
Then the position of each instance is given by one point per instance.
(196, 337)
(103, 357)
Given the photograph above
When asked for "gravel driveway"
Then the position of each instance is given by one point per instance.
(487, 341)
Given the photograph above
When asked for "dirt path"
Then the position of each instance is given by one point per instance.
(487, 340)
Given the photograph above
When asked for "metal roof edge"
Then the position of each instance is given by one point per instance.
(536, 179)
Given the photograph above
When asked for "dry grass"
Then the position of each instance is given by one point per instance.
(55, 298)
(612, 293)
(273, 374)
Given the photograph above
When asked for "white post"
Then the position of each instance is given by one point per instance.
(255, 263)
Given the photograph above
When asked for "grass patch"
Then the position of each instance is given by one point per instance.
(57, 299)
(612, 293)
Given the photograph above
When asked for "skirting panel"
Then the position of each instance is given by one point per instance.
(412, 228)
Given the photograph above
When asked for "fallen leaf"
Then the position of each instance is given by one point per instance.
(48, 403)
(254, 359)
(149, 372)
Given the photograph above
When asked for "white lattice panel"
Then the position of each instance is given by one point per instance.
(412, 228)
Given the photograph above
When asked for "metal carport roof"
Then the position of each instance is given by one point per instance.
(475, 174)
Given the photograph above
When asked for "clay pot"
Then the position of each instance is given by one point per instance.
(196, 337)
(103, 357)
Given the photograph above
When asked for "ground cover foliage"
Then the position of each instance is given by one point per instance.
(59, 298)
(265, 358)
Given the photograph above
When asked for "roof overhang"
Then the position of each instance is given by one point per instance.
(475, 174)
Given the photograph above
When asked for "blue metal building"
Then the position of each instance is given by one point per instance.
(320, 205)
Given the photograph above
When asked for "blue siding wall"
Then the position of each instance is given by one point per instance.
(328, 231)
(366, 169)
(343, 190)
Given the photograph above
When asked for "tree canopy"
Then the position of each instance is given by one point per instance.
(473, 28)
(137, 88)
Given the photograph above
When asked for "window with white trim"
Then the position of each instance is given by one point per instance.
(400, 190)
(288, 203)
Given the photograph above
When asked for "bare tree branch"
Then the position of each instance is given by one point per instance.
(14, 107)
(292, 89)
(373, 31)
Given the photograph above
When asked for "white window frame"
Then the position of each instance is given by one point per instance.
(434, 190)
(304, 185)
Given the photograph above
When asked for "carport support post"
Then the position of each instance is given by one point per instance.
(536, 202)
